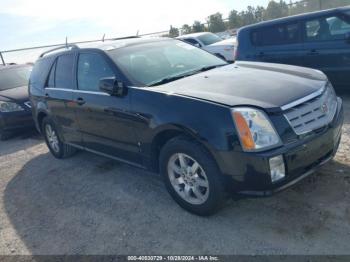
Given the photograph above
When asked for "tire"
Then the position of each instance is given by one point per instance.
(206, 181)
(58, 149)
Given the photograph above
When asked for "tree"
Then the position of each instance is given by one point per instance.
(186, 29)
(248, 17)
(216, 23)
(276, 10)
(173, 32)
(259, 13)
(234, 19)
(198, 27)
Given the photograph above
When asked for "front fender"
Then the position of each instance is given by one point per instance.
(209, 123)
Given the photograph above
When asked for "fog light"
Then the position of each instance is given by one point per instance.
(277, 170)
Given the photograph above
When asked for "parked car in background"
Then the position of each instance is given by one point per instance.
(319, 40)
(15, 112)
(208, 127)
(212, 43)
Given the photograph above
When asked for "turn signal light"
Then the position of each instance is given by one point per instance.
(244, 131)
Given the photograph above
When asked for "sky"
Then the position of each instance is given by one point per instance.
(26, 23)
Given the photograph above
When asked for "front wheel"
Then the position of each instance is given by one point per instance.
(191, 176)
(53, 142)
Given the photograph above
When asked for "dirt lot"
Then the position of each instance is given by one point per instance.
(91, 205)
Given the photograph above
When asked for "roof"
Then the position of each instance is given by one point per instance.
(193, 35)
(114, 44)
(298, 17)
(104, 45)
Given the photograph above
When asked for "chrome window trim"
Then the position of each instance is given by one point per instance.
(304, 99)
(28, 104)
(78, 91)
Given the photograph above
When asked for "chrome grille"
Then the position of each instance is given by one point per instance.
(314, 113)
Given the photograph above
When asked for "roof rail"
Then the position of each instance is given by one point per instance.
(72, 46)
(125, 37)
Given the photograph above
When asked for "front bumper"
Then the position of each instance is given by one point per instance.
(15, 121)
(301, 159)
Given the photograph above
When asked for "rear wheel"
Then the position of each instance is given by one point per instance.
(191, 176)
(54, 143)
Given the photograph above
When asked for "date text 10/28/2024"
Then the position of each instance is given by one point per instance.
(173, 258)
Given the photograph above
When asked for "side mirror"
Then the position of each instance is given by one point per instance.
(197, 45)
(347, 38)
(112, 86)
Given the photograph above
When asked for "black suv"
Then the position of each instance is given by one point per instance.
(208, 127)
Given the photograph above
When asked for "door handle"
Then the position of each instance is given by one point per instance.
(261, 54)
(80, 101)
(313, 52)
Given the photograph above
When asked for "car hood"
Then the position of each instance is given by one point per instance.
(18, 94)
(265, 85)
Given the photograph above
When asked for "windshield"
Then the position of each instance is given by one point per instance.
(209, 39)
(14, 77)
(148, 63)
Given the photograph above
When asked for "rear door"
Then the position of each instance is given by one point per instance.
(278, 44)
(104, 120)
(59, 96)
(326, 47)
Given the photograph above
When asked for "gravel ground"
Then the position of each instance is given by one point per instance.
(92, 205)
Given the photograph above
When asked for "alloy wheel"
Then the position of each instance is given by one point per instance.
(188, 178)
(52, 138)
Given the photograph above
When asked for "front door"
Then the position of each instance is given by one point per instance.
(104, 121)
(326, 47)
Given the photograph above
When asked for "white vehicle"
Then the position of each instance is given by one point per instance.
(213, 44)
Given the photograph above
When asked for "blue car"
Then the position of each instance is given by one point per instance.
(320, 40)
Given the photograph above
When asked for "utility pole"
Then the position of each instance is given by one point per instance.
(320, 1)
(2, 59)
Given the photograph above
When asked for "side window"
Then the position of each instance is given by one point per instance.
(339, 27)
(326, 29)
(64, 71)
(51, 79)
(191, 41)
(276, 35)
(91, 68)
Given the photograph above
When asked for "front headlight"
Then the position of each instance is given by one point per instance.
(255, 130)
(6, 107)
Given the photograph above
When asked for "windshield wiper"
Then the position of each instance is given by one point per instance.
(173, 78)
(167, 80)
(207, 68)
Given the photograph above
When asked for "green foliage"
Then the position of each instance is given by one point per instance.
(234, 19)
(173, 32)
(186, 29)
(198, 27)
(275, 9)
(216, 23)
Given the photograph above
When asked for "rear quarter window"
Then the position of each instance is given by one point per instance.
(40, 72)
(282, 34)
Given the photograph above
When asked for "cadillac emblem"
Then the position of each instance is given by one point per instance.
(324, 108)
